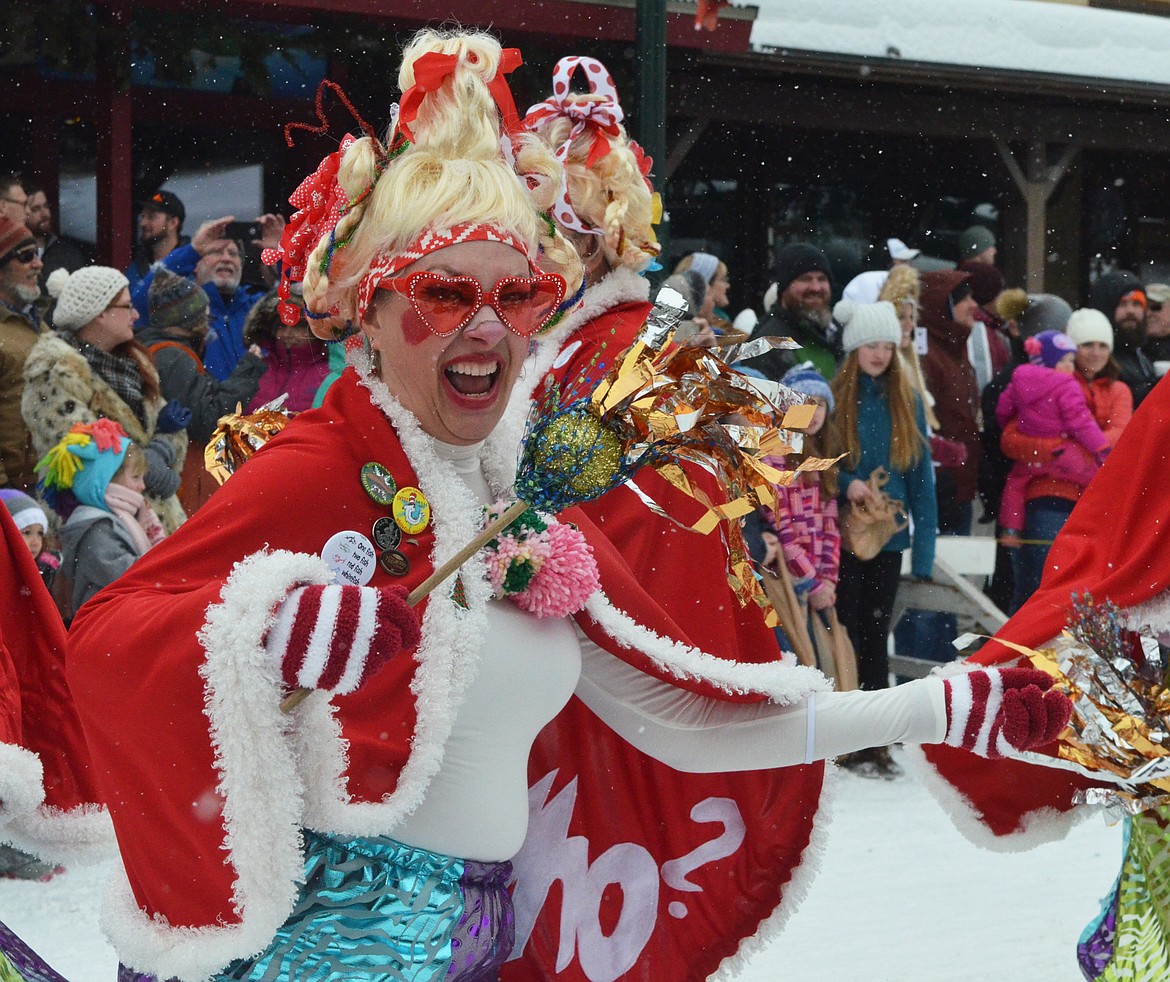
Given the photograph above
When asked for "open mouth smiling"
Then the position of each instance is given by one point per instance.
(473, 378)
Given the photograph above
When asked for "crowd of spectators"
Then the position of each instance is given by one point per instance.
(951, 384)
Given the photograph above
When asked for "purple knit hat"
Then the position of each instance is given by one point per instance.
(1048, 347)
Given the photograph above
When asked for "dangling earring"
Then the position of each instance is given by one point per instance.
(374, 356)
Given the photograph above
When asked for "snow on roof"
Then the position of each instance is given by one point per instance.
(1020, 35)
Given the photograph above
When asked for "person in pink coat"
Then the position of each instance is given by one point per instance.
(1047, 401)
(297, 361)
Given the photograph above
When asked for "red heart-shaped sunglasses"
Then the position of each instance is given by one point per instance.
(447, 304)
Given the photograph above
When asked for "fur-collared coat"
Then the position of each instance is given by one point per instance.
(17, 337)
(61, 389)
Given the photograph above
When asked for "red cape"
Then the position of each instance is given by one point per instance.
(603, 841)
(1116, 546)
(209, 785)
(37, 715)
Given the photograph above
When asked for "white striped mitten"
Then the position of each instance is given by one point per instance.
(998, 712)
(336, 637)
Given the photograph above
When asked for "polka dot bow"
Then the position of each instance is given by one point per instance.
(600, 116)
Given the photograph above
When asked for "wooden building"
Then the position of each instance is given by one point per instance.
(764, 145)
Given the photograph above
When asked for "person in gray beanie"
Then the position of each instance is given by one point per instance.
(977, 244)
(92, 367)
(881, 423)
(801, 311)
(176, 339)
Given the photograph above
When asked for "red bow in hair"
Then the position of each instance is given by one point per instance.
(433, 68)
(319, 201)
(645, 163)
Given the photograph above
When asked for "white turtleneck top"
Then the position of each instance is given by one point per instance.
(476, 807)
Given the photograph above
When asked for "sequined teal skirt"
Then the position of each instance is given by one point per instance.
(380, 911)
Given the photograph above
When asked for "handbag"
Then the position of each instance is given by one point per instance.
(866, 526)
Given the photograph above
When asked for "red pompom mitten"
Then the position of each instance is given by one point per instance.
(1001, 711)
(337, 637)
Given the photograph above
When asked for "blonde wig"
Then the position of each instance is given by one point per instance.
(453, 172)
(612, 196)
(906, 440)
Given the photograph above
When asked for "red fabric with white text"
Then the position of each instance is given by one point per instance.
(616, 831)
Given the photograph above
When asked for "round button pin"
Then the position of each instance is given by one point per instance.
(386, 533)
(351, 556)
(411, 510)
(394, 562)
(379, 483)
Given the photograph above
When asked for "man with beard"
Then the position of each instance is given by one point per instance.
(1120, 297)
(160, 230)
(19, 329)
(802, 311)
(215, 263)
(55, 252)
(176, 340)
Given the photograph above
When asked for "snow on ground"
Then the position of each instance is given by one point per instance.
(901, 897)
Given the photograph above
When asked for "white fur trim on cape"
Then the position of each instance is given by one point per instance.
(22, 788)
(782, 683)
(79, 836)
(1036, 827)
(1153, 615)
(795, 891)
(260, 785)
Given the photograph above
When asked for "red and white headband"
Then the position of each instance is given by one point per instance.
(431, 240)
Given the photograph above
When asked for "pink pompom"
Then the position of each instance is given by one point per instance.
(566, 579)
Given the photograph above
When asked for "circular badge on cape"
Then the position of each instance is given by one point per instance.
(351, 557)
(394, 562)
(379, 483)
(386, 533)
(411, 510)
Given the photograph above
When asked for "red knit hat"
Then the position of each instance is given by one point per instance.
(12, 236)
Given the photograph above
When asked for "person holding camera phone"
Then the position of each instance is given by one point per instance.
(214, 260)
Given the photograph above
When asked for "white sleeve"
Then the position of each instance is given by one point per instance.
(694, 733)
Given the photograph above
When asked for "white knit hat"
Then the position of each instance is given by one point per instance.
(84, 295)
(1087, 325)
(866, 323)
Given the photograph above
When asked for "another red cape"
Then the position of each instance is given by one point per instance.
(1116, 546)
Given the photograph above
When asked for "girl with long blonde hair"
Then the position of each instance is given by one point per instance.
(881, 422)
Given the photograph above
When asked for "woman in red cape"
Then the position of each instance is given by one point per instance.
(370, 832)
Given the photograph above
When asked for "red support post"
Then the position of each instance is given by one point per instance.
(113, 122)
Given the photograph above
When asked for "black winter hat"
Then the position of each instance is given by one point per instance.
(796, 259)
(1110, 288)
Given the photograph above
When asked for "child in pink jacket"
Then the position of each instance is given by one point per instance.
(804, 522)
(1047, 402)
